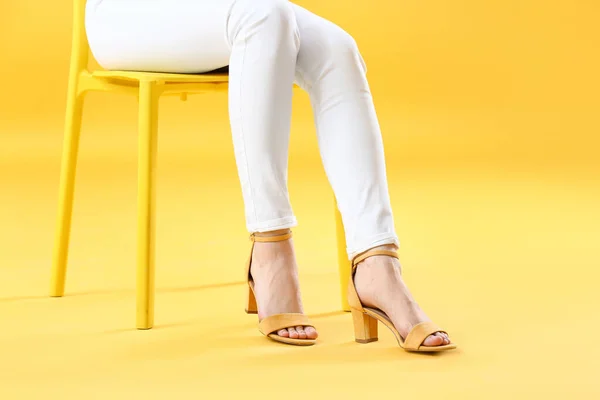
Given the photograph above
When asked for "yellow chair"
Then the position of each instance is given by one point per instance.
(148, 87)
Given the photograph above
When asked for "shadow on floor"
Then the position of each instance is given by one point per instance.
(121, 291)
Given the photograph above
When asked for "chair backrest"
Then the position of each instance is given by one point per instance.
(80, 49)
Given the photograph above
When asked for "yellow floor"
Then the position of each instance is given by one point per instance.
(500, 248)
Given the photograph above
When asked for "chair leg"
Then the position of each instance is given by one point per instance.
(148, 132)
(343, 263)
(66, 191)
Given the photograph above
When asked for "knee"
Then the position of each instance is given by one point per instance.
(278, 9)
(274, 15)
(332, 49)
(342, 48)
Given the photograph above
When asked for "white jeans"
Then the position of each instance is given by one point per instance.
(268, 45)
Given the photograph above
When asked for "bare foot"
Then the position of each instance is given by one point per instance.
(379, 284)
(275, 274)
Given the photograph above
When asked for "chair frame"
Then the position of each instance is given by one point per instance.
(148, 87)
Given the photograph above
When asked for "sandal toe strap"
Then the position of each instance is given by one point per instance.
(280, 321)
(419, 333)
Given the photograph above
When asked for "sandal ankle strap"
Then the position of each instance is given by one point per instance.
(266, 239)
(372, 253)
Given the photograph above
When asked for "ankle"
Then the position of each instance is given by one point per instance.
(266, 250)
(384, 247)
(382, 261)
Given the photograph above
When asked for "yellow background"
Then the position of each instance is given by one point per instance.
(489, 111)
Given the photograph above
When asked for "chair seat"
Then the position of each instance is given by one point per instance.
(211, 77)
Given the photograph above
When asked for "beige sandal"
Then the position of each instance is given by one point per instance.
(366, 318)
(271, 325)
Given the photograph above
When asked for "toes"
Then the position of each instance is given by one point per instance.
(433, 340)
(311, 333)
(301, 332)
(447, 337)
(443, 336)
(293, 333)
(283, 333)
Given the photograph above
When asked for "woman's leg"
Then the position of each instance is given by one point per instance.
(259, 40)
(331, 69)
(264, 38)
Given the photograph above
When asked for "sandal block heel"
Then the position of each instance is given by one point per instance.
(365, 327)
(251, 306)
